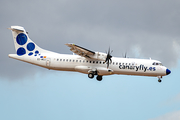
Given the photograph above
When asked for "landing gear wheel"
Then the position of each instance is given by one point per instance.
(91, 75)
(99, 77)
(159, 80)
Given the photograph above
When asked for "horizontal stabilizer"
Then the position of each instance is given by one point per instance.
(17, 28)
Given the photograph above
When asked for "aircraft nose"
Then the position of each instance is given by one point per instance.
(168, 71)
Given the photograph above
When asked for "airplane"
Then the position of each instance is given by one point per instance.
(85, 61)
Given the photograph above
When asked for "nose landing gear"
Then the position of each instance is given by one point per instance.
(159, 79)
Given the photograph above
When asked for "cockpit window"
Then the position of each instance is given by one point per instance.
(160, 64)
(155, 63)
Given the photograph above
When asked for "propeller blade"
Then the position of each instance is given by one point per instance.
(125, 54)
(109, 51)
(108, 64)
(108, 58)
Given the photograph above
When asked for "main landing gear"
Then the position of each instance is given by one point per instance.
(99, 77)
(91, 75)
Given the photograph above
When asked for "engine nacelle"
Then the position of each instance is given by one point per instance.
(99, 56)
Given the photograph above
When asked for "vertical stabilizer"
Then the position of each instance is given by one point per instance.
(23, 44)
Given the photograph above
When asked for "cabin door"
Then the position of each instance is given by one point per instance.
(48, 62)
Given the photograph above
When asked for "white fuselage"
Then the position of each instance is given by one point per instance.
(65, 62)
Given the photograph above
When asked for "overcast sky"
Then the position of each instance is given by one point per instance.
(142, 28)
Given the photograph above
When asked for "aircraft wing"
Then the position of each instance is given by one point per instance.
(80, 50)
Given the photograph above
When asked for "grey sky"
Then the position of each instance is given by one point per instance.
(148, 27)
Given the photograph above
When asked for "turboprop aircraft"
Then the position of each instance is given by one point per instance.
(85, 61)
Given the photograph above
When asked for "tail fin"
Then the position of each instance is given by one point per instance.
(23, 44)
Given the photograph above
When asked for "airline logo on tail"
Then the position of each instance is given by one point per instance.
(22, 42)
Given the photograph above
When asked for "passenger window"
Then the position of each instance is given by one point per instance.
(100, 62)
(60, 59)
(66, 60)
(70, 60)
(93, 61)
(73, 60)
(96, 62)
(76, 60)
(57, 59)
(113, 63)
(116, 63)
(89, 61)
(63, 59)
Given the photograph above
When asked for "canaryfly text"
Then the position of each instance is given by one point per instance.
(137, 68)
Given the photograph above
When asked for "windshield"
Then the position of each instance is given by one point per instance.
(157, 63)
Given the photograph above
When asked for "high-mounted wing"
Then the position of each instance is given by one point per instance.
(81, 51)
(90, 54)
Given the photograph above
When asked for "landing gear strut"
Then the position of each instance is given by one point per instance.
(159, 80)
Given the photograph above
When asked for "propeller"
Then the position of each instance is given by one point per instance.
(125, 55)
(108, 58)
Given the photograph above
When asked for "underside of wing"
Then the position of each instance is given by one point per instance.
(80, 50)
